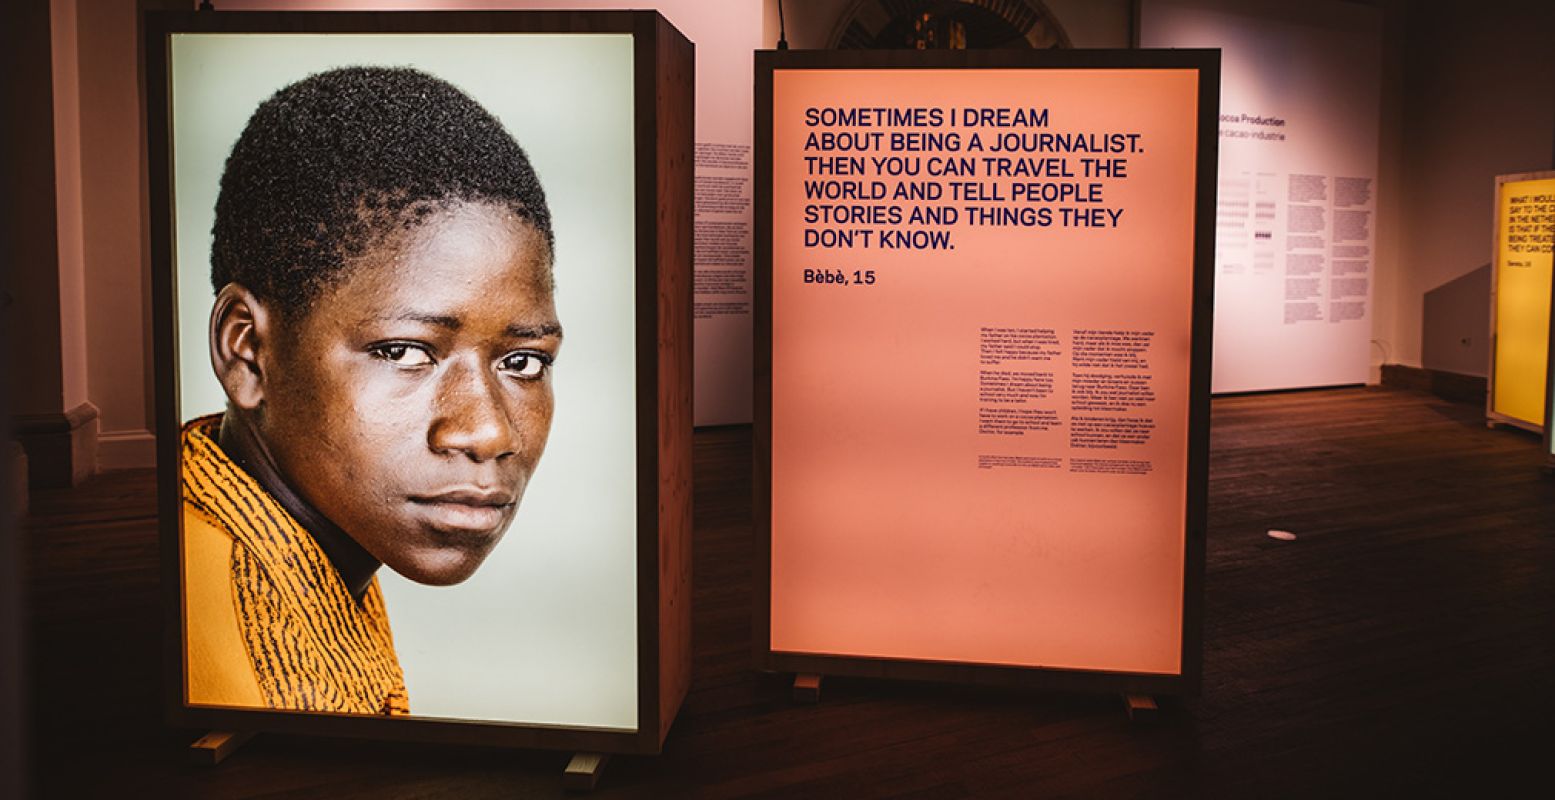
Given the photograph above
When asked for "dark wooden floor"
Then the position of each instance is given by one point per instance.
(1403, 646)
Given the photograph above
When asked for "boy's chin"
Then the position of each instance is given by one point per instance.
(440, 569)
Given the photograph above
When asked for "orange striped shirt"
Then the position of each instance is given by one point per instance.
(309, 644)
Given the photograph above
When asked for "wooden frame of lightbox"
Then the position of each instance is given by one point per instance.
(1549, 383)
(663, 68)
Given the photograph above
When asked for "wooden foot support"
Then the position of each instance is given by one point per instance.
(1141, 707)
(583, 772)
(214, 747)
(807, 688)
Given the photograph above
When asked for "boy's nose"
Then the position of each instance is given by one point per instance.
(469, 416)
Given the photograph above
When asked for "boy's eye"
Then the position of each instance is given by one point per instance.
(528, 366)
(401, 354)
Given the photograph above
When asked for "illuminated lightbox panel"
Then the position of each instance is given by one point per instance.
(982, 366)
(400, 258)
(1520, 295)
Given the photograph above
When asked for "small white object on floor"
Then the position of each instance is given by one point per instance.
(1284, 536)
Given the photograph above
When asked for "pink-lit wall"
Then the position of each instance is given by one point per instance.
(68, 188)
(117, 367)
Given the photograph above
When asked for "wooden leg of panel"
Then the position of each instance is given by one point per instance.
(583, 772)
(214, 747)
(807, 688)
(1141, 707)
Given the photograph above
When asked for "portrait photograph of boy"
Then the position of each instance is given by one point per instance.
(399, 496)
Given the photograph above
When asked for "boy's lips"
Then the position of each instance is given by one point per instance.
(466, 508)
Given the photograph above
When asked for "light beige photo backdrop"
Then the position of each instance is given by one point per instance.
(546, 631)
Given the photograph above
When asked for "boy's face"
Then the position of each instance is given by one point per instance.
(412, 401)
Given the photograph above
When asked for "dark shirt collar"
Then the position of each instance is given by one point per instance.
(355, 565)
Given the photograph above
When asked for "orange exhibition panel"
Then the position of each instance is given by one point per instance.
(982, 329)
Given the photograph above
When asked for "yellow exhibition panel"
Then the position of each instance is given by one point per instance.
(1525, 226)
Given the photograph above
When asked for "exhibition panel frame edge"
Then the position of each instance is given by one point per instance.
(1491, 414)
(1189, 679)
(1549, 381)
(663, 96)
(1549, 389)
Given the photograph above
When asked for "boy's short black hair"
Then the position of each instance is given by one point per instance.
(328, 165)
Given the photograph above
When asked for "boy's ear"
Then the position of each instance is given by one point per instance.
(241, 327)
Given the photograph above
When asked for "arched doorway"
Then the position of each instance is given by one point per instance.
(948, 25)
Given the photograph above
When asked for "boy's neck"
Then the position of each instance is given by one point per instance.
(241, 442)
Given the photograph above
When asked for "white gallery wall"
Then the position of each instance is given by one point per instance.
(1295, 258)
